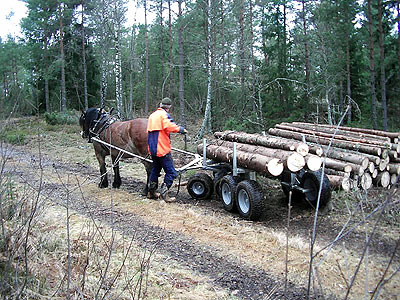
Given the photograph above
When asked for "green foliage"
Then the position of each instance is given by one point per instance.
(58, 118)
(14, 136)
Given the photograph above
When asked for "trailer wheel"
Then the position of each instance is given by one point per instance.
(200, 186)
(312, 182)
(250, 200)
(286, 178)
(227, 189)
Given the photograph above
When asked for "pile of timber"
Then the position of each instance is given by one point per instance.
(353, 157)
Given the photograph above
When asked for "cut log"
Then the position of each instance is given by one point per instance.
(337, 131)
(337, 165)
(315, 149)
(261, 140)
(359, 147)
(336, 181)
(392, 135)
(292, 160)
(329, 171)
(393, 168)
(371, 167)
(393, 154)
(336, 137)
(348, 156)
(256, 162)
(393, 178)
(366, 181)
(382, 179)
(383, 164)
(313, 162)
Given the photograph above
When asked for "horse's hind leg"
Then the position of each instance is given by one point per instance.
(103, 171)
(148, 171)
(117, 178)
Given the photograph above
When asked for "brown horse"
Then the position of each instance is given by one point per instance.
(130, 136)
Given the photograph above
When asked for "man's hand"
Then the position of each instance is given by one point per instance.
(184, 131)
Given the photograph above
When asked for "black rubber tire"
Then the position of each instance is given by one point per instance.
(285, 177)
(227, 190)
(200, 186)
(250, 200)
(312, 181)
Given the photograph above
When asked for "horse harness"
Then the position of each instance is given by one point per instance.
(103, 121)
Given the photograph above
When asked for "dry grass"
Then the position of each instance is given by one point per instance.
(253, 244)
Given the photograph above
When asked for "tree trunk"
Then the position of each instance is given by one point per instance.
(348, 65)
(118, 71)
(161, 39)
(398, 39)
(207, 113)
(267, 141)
(62, 58)
(372, 68)
(306, 61)
(146, 42)
(171, 60)
(181, 67)
(85, 94)
(382, 60)
(46, 72)
(132, 64)
(326, 141)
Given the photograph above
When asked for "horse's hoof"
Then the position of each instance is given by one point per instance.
(103, 185)
(116, 185)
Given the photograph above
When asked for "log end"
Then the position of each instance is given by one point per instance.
(295, 162)
(275, 167)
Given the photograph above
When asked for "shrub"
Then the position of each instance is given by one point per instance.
(13, 136)
(58, 118)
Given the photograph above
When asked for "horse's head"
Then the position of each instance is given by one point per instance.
(86, 120)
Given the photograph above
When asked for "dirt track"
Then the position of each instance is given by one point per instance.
(245, 259)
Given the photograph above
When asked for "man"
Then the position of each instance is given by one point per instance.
(159, 127)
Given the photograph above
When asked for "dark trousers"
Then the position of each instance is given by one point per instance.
(166, 163)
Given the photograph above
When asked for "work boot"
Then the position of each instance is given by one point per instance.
(164, 194)
(152, 194)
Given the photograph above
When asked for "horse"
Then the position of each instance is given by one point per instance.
(130, 136)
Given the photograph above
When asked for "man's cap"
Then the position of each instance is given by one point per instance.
(166, 101)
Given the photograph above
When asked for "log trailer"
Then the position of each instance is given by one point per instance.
(240, 192)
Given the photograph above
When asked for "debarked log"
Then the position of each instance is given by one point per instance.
(261, 140)
(260, 163)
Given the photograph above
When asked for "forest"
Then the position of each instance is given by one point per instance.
(256, 63)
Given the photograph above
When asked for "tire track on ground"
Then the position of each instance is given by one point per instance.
(244, 281)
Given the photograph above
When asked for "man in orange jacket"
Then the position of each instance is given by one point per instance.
(159, 127)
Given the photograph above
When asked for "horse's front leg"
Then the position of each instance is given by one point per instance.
(103, 171)
(117, 178)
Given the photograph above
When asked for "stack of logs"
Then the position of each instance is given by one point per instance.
(353, 157)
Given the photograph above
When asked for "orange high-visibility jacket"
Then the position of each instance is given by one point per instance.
(159, 127)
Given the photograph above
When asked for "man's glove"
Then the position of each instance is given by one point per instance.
(184, 131)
